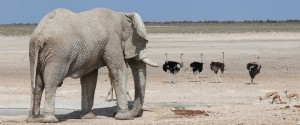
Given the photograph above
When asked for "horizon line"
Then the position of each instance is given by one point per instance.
(205, 21)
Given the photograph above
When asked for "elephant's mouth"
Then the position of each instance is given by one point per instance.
(149, 62)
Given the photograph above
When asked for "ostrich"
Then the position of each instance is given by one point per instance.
(254, 69)
(197, 67)
(172, 67)
(292, 96)
(111, 92)
(218, 67)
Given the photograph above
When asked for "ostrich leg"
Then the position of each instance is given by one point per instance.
(129, 96)
(169, 75)
(216, 78)
(110, 92)
(197, 76)
(174, 77)
(219, 76)
(252, 81)
(194, 79)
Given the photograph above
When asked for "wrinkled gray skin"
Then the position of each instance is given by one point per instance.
(76, 45)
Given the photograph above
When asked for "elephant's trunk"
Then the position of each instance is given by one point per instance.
(139, 74)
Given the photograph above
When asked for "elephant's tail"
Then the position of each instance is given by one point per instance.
(38, 42)
(36, 57)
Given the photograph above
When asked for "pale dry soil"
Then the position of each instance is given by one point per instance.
(234, 101)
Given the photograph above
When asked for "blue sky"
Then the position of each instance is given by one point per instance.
(32, 11)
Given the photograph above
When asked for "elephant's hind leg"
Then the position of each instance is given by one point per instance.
(36, 97)
(88, 86)
(54, 74)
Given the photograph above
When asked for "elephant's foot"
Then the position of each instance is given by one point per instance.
(140, 114)
(49, 119)
(88, 115)
(33, 118)
(41, 119)
(137, 114)
(123, 115)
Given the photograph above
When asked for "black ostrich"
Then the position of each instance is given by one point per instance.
(254, 69)
(218, 67)
(172, 67)
(197, 67)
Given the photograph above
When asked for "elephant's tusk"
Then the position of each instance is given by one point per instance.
(149, 62)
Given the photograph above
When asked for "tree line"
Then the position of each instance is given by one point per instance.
(215, 21)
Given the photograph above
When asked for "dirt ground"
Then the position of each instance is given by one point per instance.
(234, 101)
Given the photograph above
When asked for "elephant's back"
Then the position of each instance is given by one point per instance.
(67, 34)
(55, 20)
(97, 11)
(102, 16)
(64, 25)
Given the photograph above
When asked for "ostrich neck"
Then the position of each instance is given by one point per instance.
(223, 59)
(166, 57)
(181, 60)
(201, 58)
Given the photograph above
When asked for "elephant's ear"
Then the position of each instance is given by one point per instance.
(134, 35)
(138, 24)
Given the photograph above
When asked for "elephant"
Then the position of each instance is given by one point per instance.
(67, 44)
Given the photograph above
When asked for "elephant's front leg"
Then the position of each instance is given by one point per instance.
(88, 86)
(117, 68)
(119, 83)
(139, 74)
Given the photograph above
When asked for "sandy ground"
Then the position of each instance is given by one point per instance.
(234, 101)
